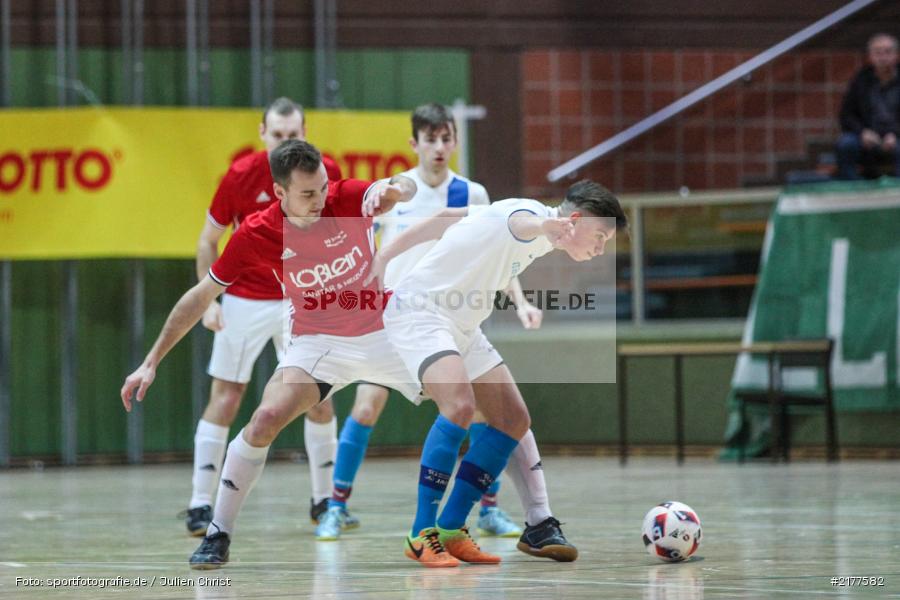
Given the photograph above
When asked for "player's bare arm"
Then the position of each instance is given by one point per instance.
(185, 314)
(382, 196)
(207, 253)
(526, 226)
(425, 230)
(530, 315)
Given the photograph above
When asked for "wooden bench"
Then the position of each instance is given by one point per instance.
(792, 353)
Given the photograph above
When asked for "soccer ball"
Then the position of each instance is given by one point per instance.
(671, 531)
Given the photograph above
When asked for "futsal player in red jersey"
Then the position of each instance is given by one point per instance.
(250, 314)
(318, 242)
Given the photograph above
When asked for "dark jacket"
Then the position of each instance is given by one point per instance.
(856, 109)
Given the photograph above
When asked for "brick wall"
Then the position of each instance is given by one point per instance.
(573, 100)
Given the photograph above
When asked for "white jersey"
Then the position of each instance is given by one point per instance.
(474, 259)
(454, 192)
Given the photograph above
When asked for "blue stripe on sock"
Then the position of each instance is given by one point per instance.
(352, 447)
(487, 457)
(438, 458)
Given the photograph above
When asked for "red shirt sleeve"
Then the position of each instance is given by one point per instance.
(347, 195)
(222, 209)
(239, 255)
(332, 168)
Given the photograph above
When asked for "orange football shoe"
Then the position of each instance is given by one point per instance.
(460, 544)
(428, 550)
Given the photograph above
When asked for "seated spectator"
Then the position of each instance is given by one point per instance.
(870, 112)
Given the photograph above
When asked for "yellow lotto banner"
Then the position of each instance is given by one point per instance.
(136, 182)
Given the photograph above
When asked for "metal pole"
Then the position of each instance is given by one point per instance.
(136, 353)
(5, 63)
(138, 288)
(268, 51)
(72, 54)
(61, 94)
(255, 54)
(138, 54)
(319, 34)
(127, 66)
(69, 371)
(5, 359)
(203, 38)
(190, 23)
(637, 265)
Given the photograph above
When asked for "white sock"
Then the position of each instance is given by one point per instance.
(243, 466)
(209, 450)
(527, 473)
(321, 449)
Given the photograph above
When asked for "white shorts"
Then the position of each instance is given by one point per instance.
(339, 361)
(421, 335)
(249, 325)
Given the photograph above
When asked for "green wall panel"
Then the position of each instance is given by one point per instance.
(370, 79)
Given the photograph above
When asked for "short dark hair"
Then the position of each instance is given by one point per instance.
(431, 117)
(290, 155)
(880, 35)
(597, 200)
(283, 106)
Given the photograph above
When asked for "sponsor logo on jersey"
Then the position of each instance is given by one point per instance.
(321, 274)
(263, 197)
(336, 240)
(288, 253)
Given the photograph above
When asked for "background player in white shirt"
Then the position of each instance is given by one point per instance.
(248, 317)
(440, 342)
(438, 187)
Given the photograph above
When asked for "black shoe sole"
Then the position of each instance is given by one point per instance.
(198, 532)
(556, 552)
(207, 566)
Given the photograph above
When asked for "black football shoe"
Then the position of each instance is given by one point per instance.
(546, 540)
(197, 519)
(212, 553)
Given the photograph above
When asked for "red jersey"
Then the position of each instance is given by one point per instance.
(320, 268)
(248, 188)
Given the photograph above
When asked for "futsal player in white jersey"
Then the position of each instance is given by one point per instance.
(438, 187)
(479, 250)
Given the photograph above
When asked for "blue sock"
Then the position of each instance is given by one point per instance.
(351, 450)
(438, 458)
(489, 499)
(485, 460)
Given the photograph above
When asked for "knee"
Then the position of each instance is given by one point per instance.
(365, 414)
(848, 143)
(264, 426)
(461, 411)
(519, 423)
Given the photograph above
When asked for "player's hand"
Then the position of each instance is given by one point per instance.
(560, 231)
(530, 315)
(869, 139)
(889, 142)
(212, 317)
(376, 273)
(381, 198)
(140, 380)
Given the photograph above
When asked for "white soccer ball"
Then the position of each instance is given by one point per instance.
(671, 531)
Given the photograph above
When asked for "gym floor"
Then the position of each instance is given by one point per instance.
(769, 531)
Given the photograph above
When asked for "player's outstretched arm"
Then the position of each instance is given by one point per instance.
(184, 315)
(207, 253)
(526, 226)
(382, 196)
(425, 230)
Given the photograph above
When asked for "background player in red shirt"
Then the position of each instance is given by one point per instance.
(328, 350)
(250, 315)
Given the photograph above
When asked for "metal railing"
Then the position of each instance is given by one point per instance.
(637, 203)
(602, 149)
